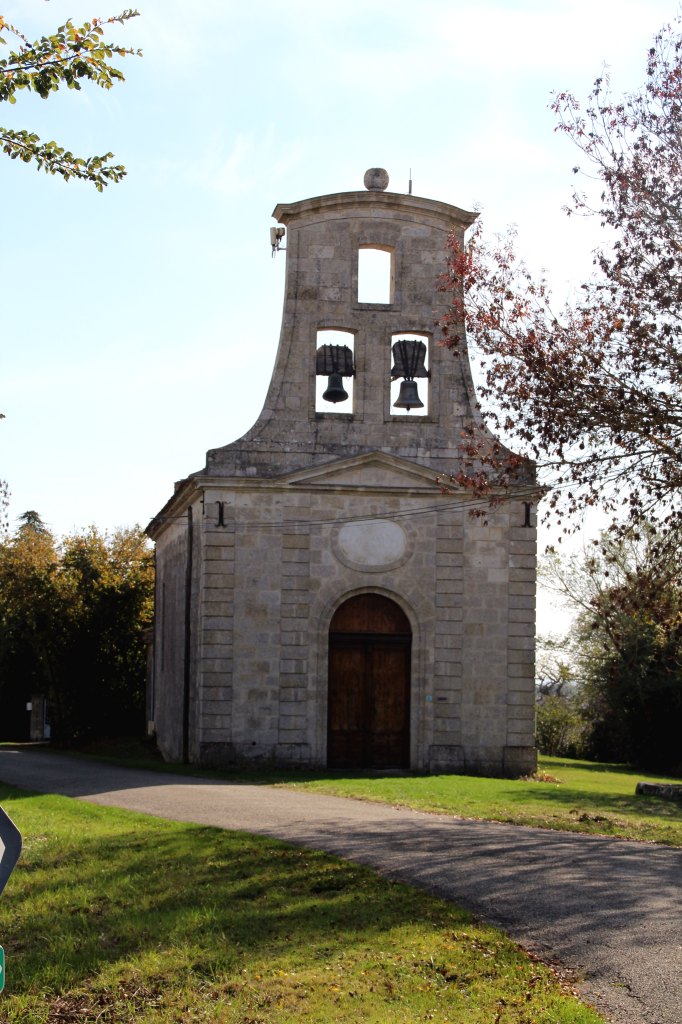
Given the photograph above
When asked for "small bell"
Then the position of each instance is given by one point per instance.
(335, 390)
(409, 396)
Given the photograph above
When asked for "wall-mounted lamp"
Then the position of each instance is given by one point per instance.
(276, 236)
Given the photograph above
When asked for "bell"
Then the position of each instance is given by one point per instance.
(335, 390)
(409, 396)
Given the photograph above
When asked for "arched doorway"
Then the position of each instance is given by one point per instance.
(369, 685)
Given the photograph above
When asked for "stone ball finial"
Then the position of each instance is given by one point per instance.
(376, 179)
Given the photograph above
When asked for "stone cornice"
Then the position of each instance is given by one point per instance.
(376, 203)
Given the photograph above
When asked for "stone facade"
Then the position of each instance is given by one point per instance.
(318, 504)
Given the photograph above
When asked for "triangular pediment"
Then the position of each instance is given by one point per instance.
(374, 471)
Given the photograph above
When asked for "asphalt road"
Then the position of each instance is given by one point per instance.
(606, 909)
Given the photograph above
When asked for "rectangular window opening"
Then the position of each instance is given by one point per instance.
(375, 275)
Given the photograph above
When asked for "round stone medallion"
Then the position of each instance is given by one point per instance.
(373, 546)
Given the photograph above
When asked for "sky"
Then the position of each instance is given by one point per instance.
(139, 326)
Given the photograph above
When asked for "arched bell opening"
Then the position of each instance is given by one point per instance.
(368, 719)
(334, 371)
(410, 363)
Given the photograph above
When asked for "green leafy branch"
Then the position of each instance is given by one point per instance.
(55, 159)
(67, 58)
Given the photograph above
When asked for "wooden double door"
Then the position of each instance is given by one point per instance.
(369, 685)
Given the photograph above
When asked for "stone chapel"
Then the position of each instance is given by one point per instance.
(320, 601)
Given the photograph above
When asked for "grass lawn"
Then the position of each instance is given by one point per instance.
(585, 797)
(116, 918)
(578, 796)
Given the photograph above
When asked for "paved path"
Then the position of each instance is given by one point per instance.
(608, 909)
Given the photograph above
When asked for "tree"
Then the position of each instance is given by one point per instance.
(32, 520)
(30, 623)
(73, 616)
(67, 58)
(4, 499)
(627, 645)
(110, 586)
(560, 726)
(593, 391)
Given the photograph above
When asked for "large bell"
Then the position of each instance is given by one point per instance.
(335, 390)
(409, 396)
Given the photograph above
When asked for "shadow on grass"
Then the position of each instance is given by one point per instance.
(96, 889)
(566, 796)
(80, 903)
(569, 805)
(599, 767)
(152, 761)
(82, 900)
